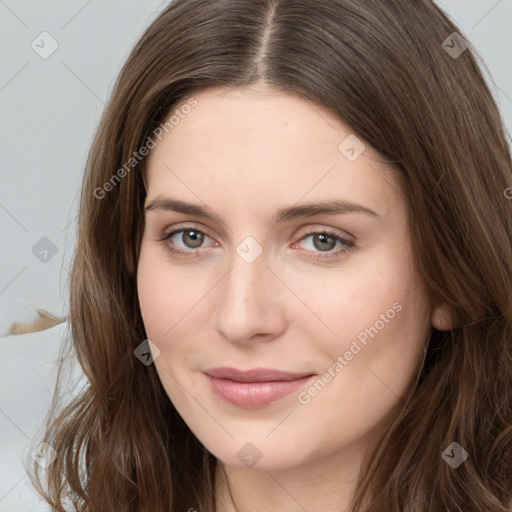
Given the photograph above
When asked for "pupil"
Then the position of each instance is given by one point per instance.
(322, 238)
(196, 238)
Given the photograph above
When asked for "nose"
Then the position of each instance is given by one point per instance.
(249, 302)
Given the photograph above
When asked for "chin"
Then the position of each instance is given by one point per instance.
(257, 452)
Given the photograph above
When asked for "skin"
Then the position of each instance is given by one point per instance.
(244, 154)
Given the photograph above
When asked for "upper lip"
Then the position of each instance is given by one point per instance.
(254, 375)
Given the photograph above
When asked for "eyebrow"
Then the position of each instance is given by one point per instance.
(326, 207)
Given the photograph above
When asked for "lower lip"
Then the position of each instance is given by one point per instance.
(252, 395)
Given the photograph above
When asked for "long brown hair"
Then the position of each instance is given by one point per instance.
(390, 71)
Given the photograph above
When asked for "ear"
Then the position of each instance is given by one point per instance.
(442, 317)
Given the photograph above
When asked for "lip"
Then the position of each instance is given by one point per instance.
(254, 388)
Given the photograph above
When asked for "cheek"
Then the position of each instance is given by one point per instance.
(153, 298)
(166, 294)
(374, 317)
(385, 342)
(381, 324)
(350, 305)
(167, 297)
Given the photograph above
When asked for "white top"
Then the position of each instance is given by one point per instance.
(28, 364)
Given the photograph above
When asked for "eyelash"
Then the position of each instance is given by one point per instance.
(348, 244)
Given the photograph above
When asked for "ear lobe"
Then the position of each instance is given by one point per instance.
(443, 317)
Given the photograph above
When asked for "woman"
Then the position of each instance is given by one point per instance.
(291, 287)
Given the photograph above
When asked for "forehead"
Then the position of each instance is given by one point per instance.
(265, 147)
(253, 117)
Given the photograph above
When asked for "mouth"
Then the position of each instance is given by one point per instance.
(254, 388)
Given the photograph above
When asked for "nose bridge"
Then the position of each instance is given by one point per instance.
(247, 299)
(248, 270)
(247, 281)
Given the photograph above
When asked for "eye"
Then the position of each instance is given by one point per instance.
(191, 238)
(324, 241)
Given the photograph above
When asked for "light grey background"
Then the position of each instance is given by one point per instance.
(49, 111)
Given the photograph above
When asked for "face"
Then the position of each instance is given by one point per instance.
(251, 277)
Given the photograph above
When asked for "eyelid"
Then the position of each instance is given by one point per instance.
(345, 235)
(183, 227)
